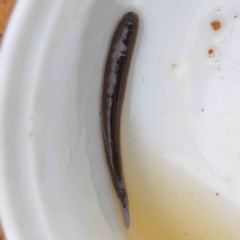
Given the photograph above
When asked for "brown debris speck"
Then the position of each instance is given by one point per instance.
(217, 194)
(235, 16)
(202, 110)
(216, 25)
(210, 51)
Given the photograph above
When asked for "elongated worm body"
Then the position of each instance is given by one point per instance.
(115, 80)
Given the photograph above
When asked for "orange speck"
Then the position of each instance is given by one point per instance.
(210, 51)
(216, 25)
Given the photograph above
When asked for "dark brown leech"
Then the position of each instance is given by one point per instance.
(115, 79)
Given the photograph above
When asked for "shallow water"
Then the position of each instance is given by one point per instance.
(180, 124)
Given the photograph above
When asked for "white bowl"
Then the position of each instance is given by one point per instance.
(180, 124)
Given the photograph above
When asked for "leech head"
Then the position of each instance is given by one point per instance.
(122, 195)
(125, 211)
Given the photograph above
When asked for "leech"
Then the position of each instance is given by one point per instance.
(115, 80)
